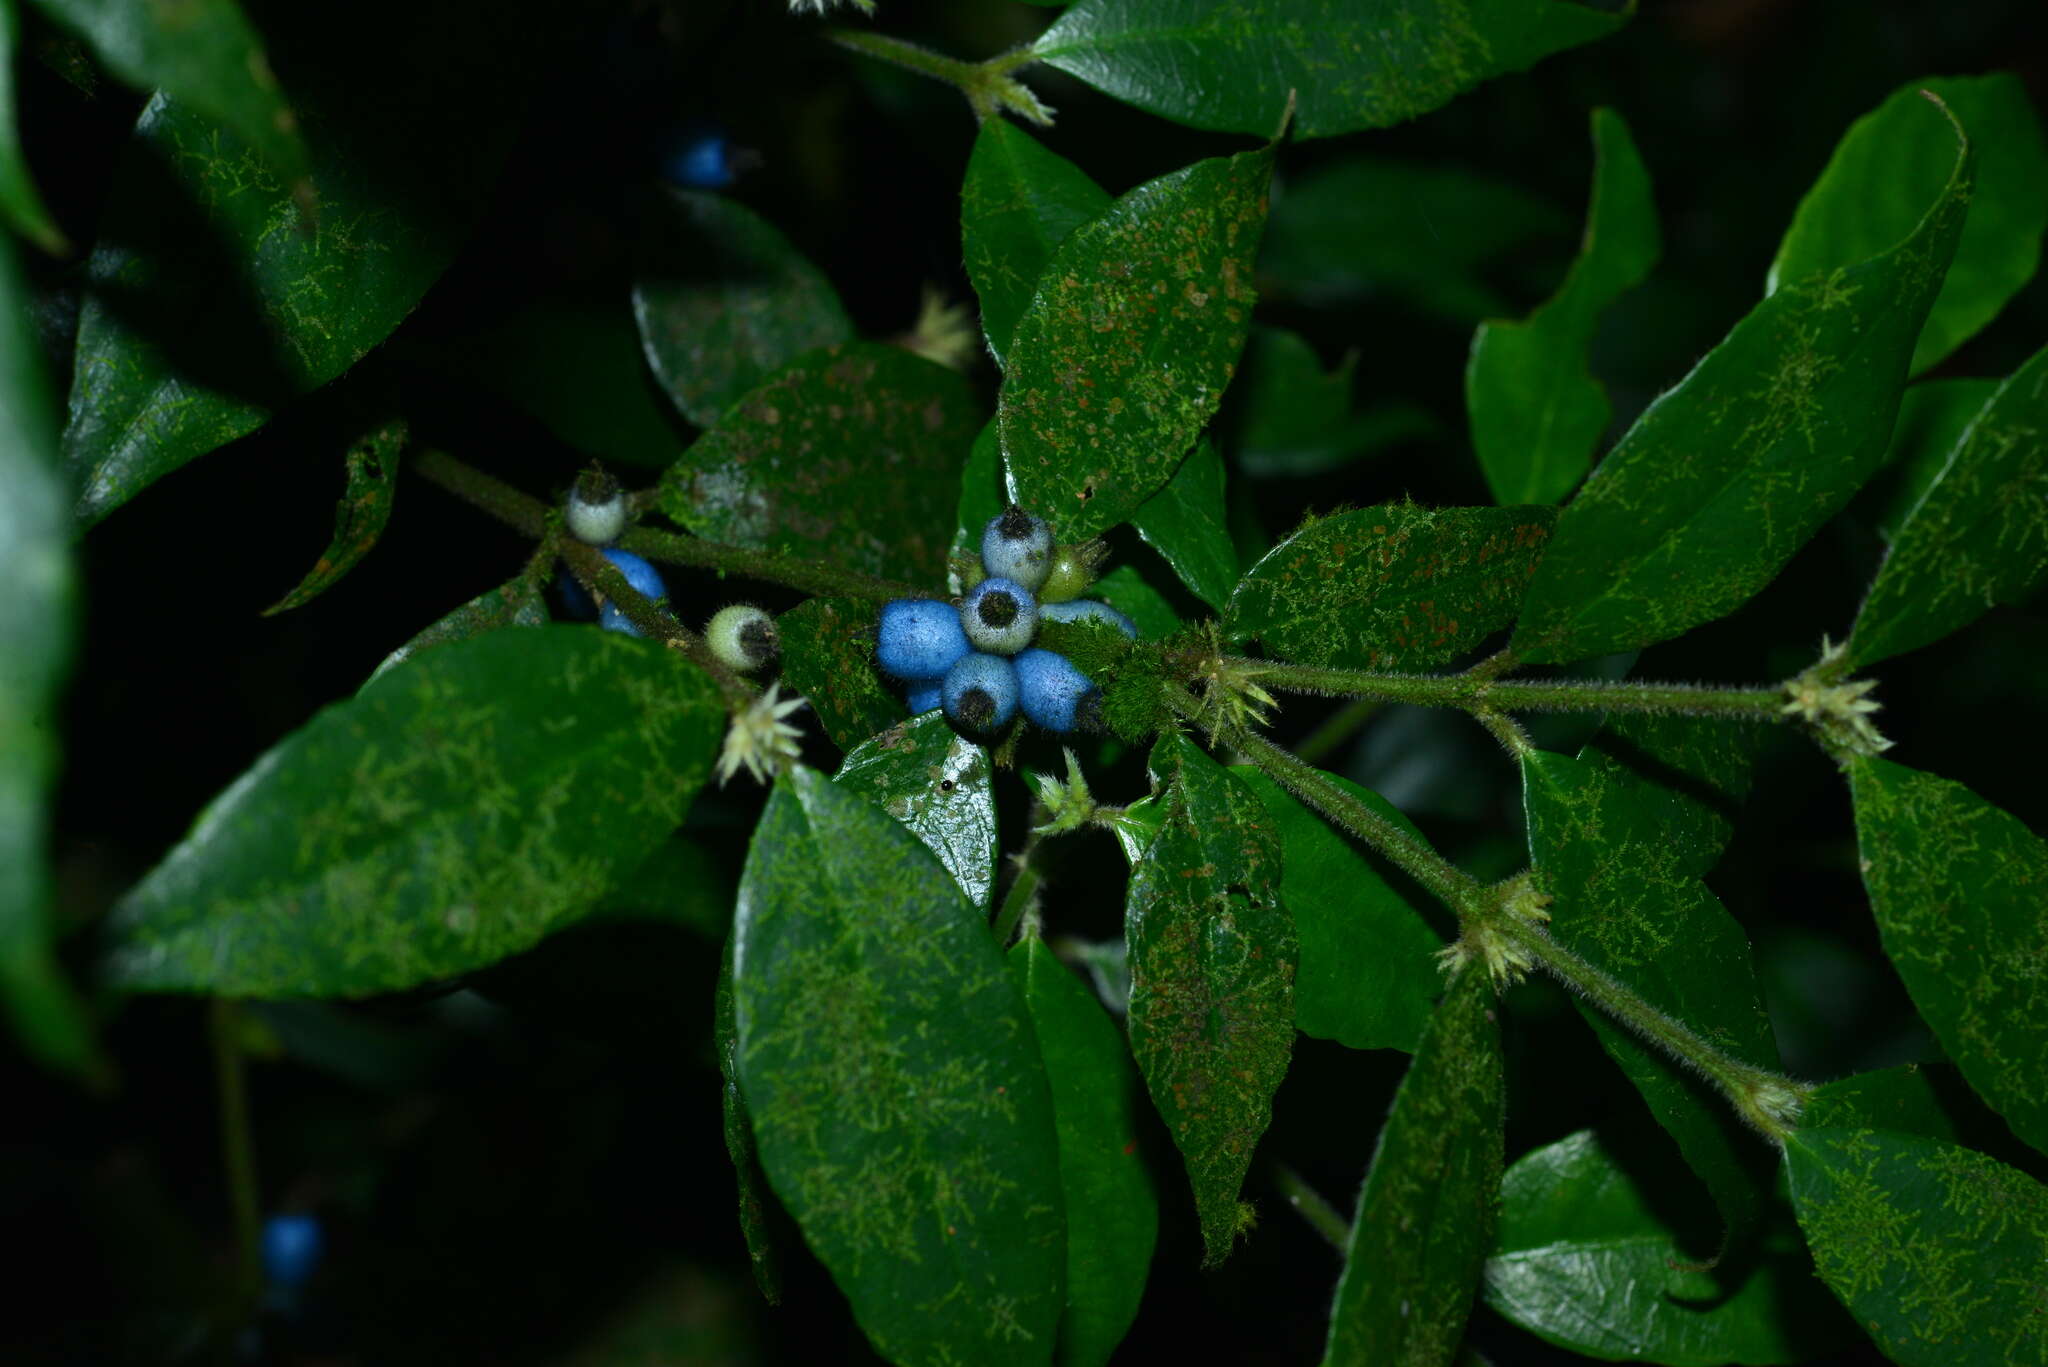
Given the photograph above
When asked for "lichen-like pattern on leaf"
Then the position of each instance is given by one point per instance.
(1398, 586)
(1213, 956)
(513, 604)
(1933, 415)
(1960, 891)
(751, 1182)
(936, 782)
(1426, 1213)
(899, 1103)
(1017, 204)
(1187, 523)
(1939, 1252)
(451, 814)
(828, 656)
(852, 452)
(1129, 342)
(372, 465)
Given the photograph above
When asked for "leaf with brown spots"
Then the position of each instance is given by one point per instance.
(360, 516)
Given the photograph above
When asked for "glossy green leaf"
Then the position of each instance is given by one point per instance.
(513, 604)
(1124, 589)
(1690, 775)
(738, 1125)
(1960, 892)
(724, 301)
(1426, 1212)
(828, 657)
(1893, 162)
(210, 301)
(20, 202)
(1536, 411)
(1729, 473)
(1368, 976)
(1294, 419)
(853, 452)
(1187, 523)
(1620, 856)
(1018, 203)
(936, 782)
(1112, 1209)
(1926, 1099)
(372, 466)
(1129, 342)
(982, 496)
(1936, 1250)
(451, 814)
(1933, 415)
(1397, 586)
(1588, 1260)
(899, 1104)
(35, 652)
(1233, 65)
(1212, 976)
(1978, 536)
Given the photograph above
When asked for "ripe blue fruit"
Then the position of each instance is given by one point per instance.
(919, 639)
(980, 692)
(743, 637)
(1053, 693)
(999, 616)
(701, 159)
(645, 579)
(292, 1245)
(1018, 547)
(923, 696)
(1088, 610)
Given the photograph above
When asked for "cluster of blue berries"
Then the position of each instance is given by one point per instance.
(976, 660)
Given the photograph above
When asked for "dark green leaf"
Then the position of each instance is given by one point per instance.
(513, 604)
(1960, 891)
(937, 783)
(1186, 523)
(1978, 536)
(210, 301)
(739, 1139)
(1913, 1098)
(853, 452)
(1293, 419)
(1112, 1209)
(1233, 65)
(982, 496)
(1936, 1250)
(1688, 774)
(1933, 415)
(1368, 974)
(1728, 474)
(359, 518)
(1018, 203)
(683, 883)
(1124, 589)
(899, 1104)
(1426, 1212)
(19, 202)
(1537, 413)
(724, 301)
(1891, 165)
(1212, 976)
(1393, 587)
(451, 814)
(1588, 1260)
(1126, 348)
(828, 656)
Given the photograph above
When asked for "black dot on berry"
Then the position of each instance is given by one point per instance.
(1015, 524)
(977, 709)
(998, 610)
(757, 639)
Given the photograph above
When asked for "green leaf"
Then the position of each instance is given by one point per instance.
(202, 53)
(1537, 413)
(1233, 66)
(516, 603)
(359, 518)
(1186, 522)
(19, 200)
(1913, 1098)
(1935, 1249)
(1368, 976)
(1728, 474)
(1893, 162)
(853, 452)
(724, 301)
(828, 656)
(1588, 1260)
(1426, 1212)
(1129, 342)
(1124, 589)
(1212, 976)
(752, 1183)
(1688, 774)
(35, 652)
(1933, 415)
(1960, 891)
(210, 303)
(1620, 855)
(899, 1104)
(453, 813)
(982, 496)
(1393, 587)
(1978, 536)
(1112, 1209)
(1018, 203)
(1293, 419)
(936, 783)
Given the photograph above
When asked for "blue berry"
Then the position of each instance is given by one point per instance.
(923, 696)
(1054, 694)
(701, 159)
(919, 639)
(999, 616)
(1088, 610)
(1018, 547)
(644, 578)
(292, 1245)
(980, 692)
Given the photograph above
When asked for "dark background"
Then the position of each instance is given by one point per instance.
(511, 1167)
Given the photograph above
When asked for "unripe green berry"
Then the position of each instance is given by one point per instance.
(1073, 569)
(743, 637)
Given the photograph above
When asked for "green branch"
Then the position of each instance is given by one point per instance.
(988, 86)
(1480, 693)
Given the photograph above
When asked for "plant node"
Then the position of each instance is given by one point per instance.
(1836, 709)
(1489, 935)
(1068, 804)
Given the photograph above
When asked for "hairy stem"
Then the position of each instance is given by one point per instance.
(1023, 892)
(1479, 692)
(238, 1155)
(988, 86)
